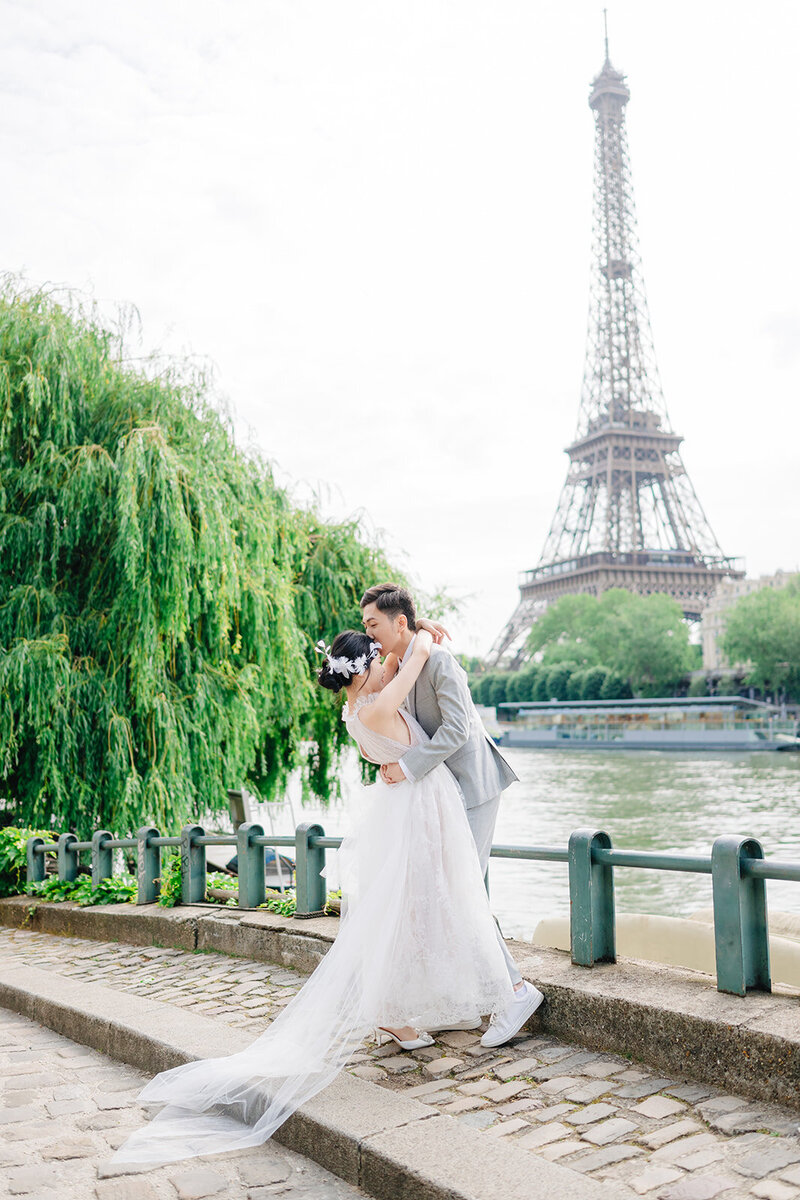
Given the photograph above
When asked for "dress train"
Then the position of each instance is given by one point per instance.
(416, 946)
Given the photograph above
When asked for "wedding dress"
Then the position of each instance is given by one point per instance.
(417, 946)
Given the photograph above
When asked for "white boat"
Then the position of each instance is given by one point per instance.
(694, 723)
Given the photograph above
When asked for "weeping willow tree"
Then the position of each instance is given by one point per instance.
(159, 594)
(335, 568)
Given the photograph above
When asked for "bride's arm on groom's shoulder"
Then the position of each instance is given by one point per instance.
(437, 631)
(394, 693)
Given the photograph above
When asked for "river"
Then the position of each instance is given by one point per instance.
(665, 801)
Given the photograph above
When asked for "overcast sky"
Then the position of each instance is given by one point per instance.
(374, 221)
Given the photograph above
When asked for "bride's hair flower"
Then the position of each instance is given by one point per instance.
(341, 664)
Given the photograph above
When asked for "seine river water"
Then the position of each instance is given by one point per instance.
(665, 801)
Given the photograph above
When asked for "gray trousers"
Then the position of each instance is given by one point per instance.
(482, 821)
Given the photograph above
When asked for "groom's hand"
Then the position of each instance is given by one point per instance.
(392, 773)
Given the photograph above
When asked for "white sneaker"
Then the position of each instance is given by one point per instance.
(469, 1024)
(504, 1025)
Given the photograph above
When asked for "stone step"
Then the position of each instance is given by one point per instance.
(386, 1143)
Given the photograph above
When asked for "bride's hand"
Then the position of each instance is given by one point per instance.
(435, 629)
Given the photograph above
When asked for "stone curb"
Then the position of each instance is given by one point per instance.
(256, 934)
(391, 1146)
(670, 1018)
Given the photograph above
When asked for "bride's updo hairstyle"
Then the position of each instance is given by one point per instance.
(349, 655)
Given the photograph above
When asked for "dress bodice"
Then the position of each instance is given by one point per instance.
(376, 747)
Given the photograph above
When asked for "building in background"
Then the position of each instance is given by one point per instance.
(712, 625)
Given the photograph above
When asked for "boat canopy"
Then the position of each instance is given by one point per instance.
(687, 704)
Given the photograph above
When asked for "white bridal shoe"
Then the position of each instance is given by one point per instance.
(504, 1025)
(422, 1039)
(469, 1024)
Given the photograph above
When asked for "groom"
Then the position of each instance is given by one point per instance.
(441, 703)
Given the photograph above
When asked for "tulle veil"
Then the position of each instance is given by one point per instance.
(416, 946)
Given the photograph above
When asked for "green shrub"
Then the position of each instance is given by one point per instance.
(615, 688)
(594, 679)
(221, 879)
(119, 889)
(728, 684)
(527, 681)
(284, 905)
(557, 680)
(497, 691)
(13, 859)
(170, 889)
(575, 684)
(478, 686)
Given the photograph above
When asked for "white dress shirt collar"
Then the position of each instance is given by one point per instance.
(409, 649)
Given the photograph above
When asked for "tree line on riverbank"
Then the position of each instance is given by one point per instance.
(606, 647)
(160, 594)
(620, 645)
(763, 630)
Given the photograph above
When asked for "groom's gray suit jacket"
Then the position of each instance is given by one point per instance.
(441, 703)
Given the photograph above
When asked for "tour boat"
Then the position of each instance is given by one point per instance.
(694, 723)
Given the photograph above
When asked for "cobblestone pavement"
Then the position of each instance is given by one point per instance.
(598, 1114)
(64, 1110)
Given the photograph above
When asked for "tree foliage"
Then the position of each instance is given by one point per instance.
(522, 683)
(763, 630)
(641, 639)
(557, 679)
(615, 687)
(333, 568)
(159, 594)
(594, 681)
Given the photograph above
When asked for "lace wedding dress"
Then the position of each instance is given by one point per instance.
(417, 946)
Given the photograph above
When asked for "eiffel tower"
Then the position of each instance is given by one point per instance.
(628, 515)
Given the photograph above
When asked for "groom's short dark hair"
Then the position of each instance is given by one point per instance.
(392, 599)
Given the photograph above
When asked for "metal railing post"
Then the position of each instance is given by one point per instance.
(148, 866)
(67, 858)
(309, 862)
(36, 863)
(102, 857)
(250, 860)
(193, 865)
(591, 900)
(741, 936)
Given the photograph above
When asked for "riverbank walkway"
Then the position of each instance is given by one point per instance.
(598, 1116)
(66, 1108)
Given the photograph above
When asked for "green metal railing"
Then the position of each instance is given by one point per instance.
(736, 865)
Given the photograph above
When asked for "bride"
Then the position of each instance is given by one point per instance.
(417, 947)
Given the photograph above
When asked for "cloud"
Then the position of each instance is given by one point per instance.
(783, 331)
(375, 222)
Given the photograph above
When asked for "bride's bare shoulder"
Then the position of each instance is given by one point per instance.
(371, 717)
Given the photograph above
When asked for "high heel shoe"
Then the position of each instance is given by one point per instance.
(423, 1039)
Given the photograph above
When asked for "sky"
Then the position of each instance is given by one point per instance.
(372, 221)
